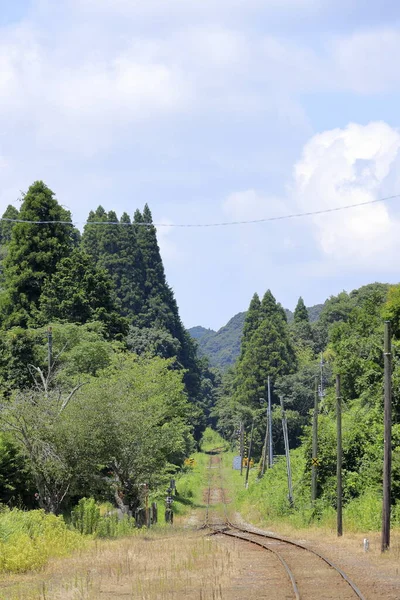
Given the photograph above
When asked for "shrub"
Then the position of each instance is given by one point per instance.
(29, 539)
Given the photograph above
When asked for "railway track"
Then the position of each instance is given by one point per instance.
(309, 574)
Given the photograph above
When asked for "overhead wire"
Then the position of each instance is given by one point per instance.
(218, 224)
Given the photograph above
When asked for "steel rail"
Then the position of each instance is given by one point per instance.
(353, 586)
(223, 531)
(277, 554)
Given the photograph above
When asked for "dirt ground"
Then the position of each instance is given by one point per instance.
(188, 562)
(377, 575)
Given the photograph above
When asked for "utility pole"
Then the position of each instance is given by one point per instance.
(286, 440)
(241, 446)
(321, 389)
(49, 349)
(271, 455)
(264, 464)
(387, 459)
(314, 462)
(339, 458)
(249, 455)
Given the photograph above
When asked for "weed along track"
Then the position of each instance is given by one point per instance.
(294, 570)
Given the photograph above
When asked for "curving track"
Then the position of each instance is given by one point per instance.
(309, 574)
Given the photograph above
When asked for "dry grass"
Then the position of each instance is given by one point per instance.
(157, 567)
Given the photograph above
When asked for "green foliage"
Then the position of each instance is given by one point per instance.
(80, 292)
(144, 414)
(211, 440)
(29, 539)
(300, 313)
(85, 516)
(33, 254)
(268, 352)
(221, 347)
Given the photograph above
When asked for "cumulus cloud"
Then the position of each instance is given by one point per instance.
(337, 168)
(349, 166)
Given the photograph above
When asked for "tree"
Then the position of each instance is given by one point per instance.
(6, 228)
(271, 309)
(251, 322)
(80, 292)
(115, 248)
(147, 421)
(269, 354)
(34, 253)
(300, 313)
(302, 334)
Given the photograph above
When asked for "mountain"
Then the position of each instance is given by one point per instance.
(199, 332)
(222, 347)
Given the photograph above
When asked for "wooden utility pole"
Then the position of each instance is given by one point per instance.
(264, 464)
(286, 440)
(249, 455)
(49, 349)
(314, 462)
(387, 459)
(339, 458)
(241, 446)
(271, 455)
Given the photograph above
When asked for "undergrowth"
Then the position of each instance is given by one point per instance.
(266, 500)
(29, 539)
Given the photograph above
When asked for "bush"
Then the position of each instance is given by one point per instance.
(29, 539)
(85, 516)
(88, 519)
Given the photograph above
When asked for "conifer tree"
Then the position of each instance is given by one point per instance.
(6, 227)
(252, 321)
(301, 328)
(301, 313)
(115, 248)
(80, 292)
(270, 308)
(34, 253)
(266, 352)
(269, 354)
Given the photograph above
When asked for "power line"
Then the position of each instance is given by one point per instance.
(221, 224)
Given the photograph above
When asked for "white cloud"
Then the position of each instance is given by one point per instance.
(337, 168)
(349, 166)
(87, 103)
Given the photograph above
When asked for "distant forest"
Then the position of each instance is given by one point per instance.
(222, 347)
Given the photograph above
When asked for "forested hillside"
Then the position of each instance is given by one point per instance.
(102, 389)
(222, 347)
(349, 337)
(100, 384)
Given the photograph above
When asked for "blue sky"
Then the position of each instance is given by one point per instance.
(214, 111)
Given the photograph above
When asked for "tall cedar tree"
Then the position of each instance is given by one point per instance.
(115, 249)
(301, 326)
(301, 313)
(6, 228)
(269, 352)
(251, 322)
(33, 254)
(80, 292)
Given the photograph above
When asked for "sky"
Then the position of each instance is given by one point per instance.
(214, 111)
